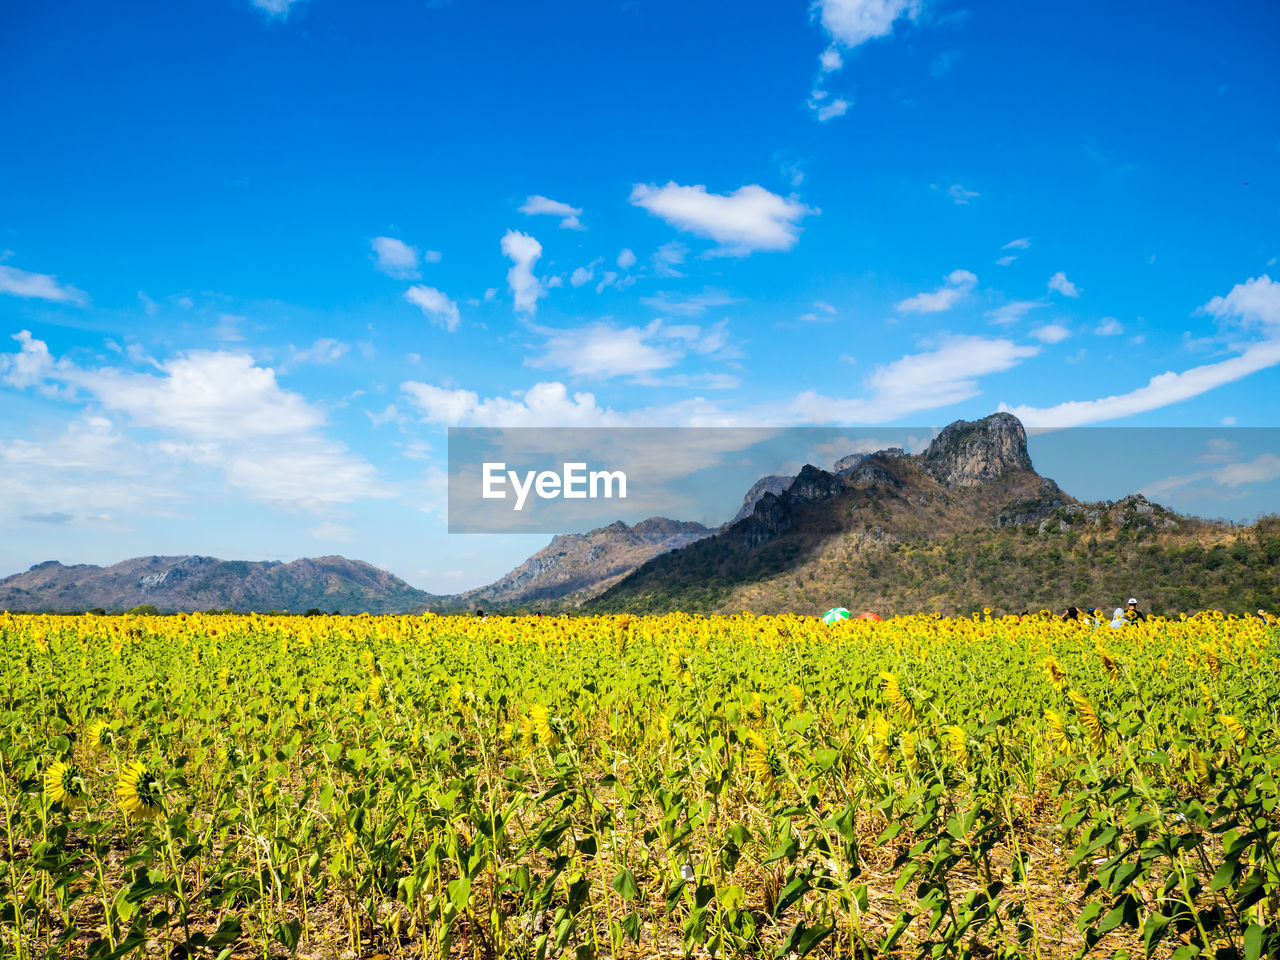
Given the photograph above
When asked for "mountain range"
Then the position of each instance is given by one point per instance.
(966, 524)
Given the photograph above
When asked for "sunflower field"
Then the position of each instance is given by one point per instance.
(432, 786)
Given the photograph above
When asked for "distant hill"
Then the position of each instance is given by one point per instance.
(203, 583)
(575, 567)
(965, 525)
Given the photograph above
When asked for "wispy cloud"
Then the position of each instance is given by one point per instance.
(1062, 285)
(1010, 313)
(1051, 333)
(692, 305)
(958, 283)
(537, 204)
(395, 258)
(1250, 306)
(667, 258)
(217, 410)
(600, 351)
(275, 8)
(435, 305)
(744, 221)
(39, 286)
(854, 22)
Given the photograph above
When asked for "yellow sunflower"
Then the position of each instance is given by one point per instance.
(98, 735)
(762, 760)
(64, 785)
(140, 792)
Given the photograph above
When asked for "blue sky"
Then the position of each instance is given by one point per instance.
(258, 256)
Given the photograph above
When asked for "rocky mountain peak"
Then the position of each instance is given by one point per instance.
(968, 453)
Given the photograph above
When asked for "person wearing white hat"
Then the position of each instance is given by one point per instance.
(1133, 614)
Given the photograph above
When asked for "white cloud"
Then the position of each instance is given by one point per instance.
(30, 366)
(822, 312)
(1254, 303)
(555, 282)
(490, 295)
(1109, 327)
(324, 350)
(853, 22)
(435, 305)
(1064, 286)
(934, 378)
(938, 377)
(667, 257)
(827, 109)
(693, 305)
(89, 441)
(831, 60)
(1160, 391)
(626, 259)
(1013, 312)
(749, 219)
(222, 412)
(600, 351)
(39, 286)
(389, 414)
(432, 256)
(395, 258)
(1051, 333)
(1022, 243)
(960, 195)
(606, 280)
(1005, 260)
(275, 8)
(537, 204)
(543, 404)
(1262, 469)
(87, 469)
(584, 275)
(958, 283)
(523, 251)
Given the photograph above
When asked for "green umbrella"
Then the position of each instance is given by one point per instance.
(835, 615)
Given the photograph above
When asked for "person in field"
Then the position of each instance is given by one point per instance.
(1117, 619)
(1133, 614)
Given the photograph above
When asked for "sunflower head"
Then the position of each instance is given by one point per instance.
(64, 785)
(762, 760)
(140, 792)
(99, 735)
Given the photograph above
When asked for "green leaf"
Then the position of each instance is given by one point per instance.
(1254, 936)
(460, 892)
(1125, 911)
(803, 939)
(792, 892)
(625, 883)
(1225, 876)
(826, 759)
(1153, 930)
(631, 924)
(288, 934)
